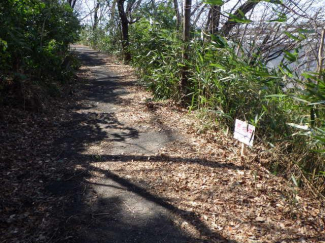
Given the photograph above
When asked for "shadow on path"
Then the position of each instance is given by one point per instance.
(112, 209)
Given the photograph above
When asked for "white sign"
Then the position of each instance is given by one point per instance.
(244, 132)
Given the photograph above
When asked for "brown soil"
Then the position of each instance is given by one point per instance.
(112, 165)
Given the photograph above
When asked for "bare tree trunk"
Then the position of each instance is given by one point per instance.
(243, 9)
(111, 21)
(186, 39)
(96, 19)
(125, 31)
(207, 26)
(215, 19)
(72, 3)
(178, 16)
(187, 20)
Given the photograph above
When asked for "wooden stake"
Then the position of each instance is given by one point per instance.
(242, 152)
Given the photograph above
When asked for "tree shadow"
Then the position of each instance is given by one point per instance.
(100, 211)
(90, 57)
(106, 221)
(82, 212)
(160, 158)
(109, 219)
(187, 216)
(89, 128)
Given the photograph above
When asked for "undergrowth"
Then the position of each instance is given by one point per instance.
(35, 60)
(226, 85)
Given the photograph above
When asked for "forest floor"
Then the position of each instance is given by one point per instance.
(109, 164)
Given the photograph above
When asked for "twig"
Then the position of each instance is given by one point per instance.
(132, 211)
(315, 192)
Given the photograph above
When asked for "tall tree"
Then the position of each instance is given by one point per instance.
(72, 3)
(238, 14)
(178, 15)
(125, 31)
(214, 14)
(96, 18)
(125, 14)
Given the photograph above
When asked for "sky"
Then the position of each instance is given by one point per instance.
(85, 6)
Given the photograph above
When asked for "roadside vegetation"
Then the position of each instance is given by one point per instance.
(80, 149)
(258, 61)
(34, 51)
(37, 71)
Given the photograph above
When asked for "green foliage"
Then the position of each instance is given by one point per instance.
(224, 83)
(220, 82)
(160, 53)
(98, 39)
(232, 88)
(35, 37)
(227, 85)
(215, 2)
(312, 100)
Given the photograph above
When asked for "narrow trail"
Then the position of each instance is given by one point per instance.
(106, 207)
(137, 171)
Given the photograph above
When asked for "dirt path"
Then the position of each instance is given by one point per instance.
(140, 171)
(106, 207)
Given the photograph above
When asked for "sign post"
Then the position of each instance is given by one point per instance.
(244, 133)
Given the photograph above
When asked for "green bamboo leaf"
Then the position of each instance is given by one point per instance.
(291, 36)
(309, 75)
(276, 96)
(282, 17)
(240, 19)
(274, 1)
(219, 41)
(218, 66)
(294, 180)
(214, 2)
(284, 69)
(306, 31)
(4, 44)
(292, 57)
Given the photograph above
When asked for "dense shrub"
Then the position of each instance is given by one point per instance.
(226, 85)
(34, 39)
